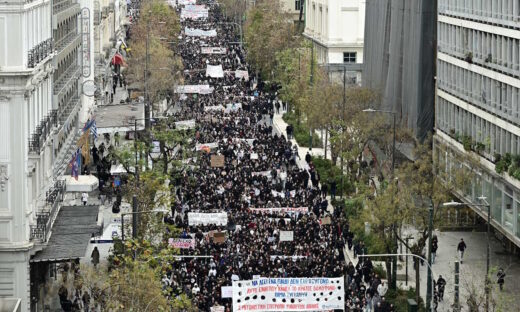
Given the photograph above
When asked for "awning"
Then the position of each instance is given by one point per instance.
(70, 234)
(85, 183)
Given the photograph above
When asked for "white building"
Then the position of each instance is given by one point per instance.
(292, 7)
(336, 28)
(41, 76)
(478, 102)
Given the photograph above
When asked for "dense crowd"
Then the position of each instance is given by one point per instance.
(260, 170)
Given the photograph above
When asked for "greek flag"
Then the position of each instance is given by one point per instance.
(93, 130)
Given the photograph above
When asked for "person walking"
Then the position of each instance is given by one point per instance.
(84, 198)
(461, 248)
(277, 107)
(308, 157)
(95, 256)
(441, 283)
(435, 246)
(501, 275)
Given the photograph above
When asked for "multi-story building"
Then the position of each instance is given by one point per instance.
(292, 7)
(336, 29)
(399, 59)
(28, 121)
(478, 103)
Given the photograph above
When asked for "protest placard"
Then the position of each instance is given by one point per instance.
(181, 243)
(280, 210)
(194, 32)
(197, 89)
(218, 308)
(279, 294)
(293, 258)
(214, 71)
(213, 50)
(286, 236)
(325, 220)
(217, 161)
(226, 291)
(200, 218)
(204, 146)
(239, 74)
(185, 124)
(219, 237)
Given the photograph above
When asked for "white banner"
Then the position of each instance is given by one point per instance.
(213, 50)
(217, 309)
(213, 108)
(233, 107)
(174, 3)
(215, 71)
(242, 74)
(226, 292)
(289, 294)
(199, 89)
(286, 236)
(203, 146)
(181, 243)
(195, 32)
(199, 218)
(185, 124)
(294, 258)
(280, 210)
(194, 12)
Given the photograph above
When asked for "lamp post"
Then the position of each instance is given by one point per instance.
(486, 204)
(134, 221)
(431, 308)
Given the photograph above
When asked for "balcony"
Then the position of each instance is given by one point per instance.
(38, 138)
(66, 45)
(66, 111)
(39, 52)
(53, 198)
(64, 9)
(66, 79)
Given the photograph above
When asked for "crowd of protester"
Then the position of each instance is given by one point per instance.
(260, 170)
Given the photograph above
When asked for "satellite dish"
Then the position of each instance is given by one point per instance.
(89, 88)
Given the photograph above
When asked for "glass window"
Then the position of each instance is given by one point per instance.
(508, 212)
(349, 57)
(477, 189)
(496, 204)
(297, 5)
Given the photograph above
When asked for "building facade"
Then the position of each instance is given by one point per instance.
(336, 29)
(478, 103)
(399, 59)
(292, 7)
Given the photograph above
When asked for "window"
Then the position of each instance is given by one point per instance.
(349, 57)
(297, 5)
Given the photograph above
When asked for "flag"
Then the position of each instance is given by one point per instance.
(93, 130)
(88, 124)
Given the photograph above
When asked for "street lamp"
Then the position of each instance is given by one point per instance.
(486, 204)
(134, 220)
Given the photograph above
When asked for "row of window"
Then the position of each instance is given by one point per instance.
(504, 200)
(508, 10)
(38, 25)
(496, 97)
(456, 121)
(485, 48)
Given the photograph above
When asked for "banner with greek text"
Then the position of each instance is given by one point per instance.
(239, 74)
(181, 243)
(280, 210)
(199, 218)
(195, 32)
(286, 236)
(213, 50)
(185, 124)
(198, 89)
(214, 71)
(289, 294)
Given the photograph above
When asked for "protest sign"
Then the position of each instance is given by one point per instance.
(242, 74)
(218, 308)
(253, 156)
(181, 243)
(219, 237)
(197, 89)
(213, 108)
(233, 107)
(199, 218)
(214, 71)
(294, 258)
(325, 221)
(185, 124)
(217, 161)
(286, 236)
(226, 291)
(213, 50)
(204, 146)
(194, 32)
(280, 210)
(289, 294)
(194, 12)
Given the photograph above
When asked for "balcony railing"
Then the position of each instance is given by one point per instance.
(39, 52)
(65, 112)
(64, 79)
(53, 198)
(65, 41)
(43, 130)
(61, 5)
